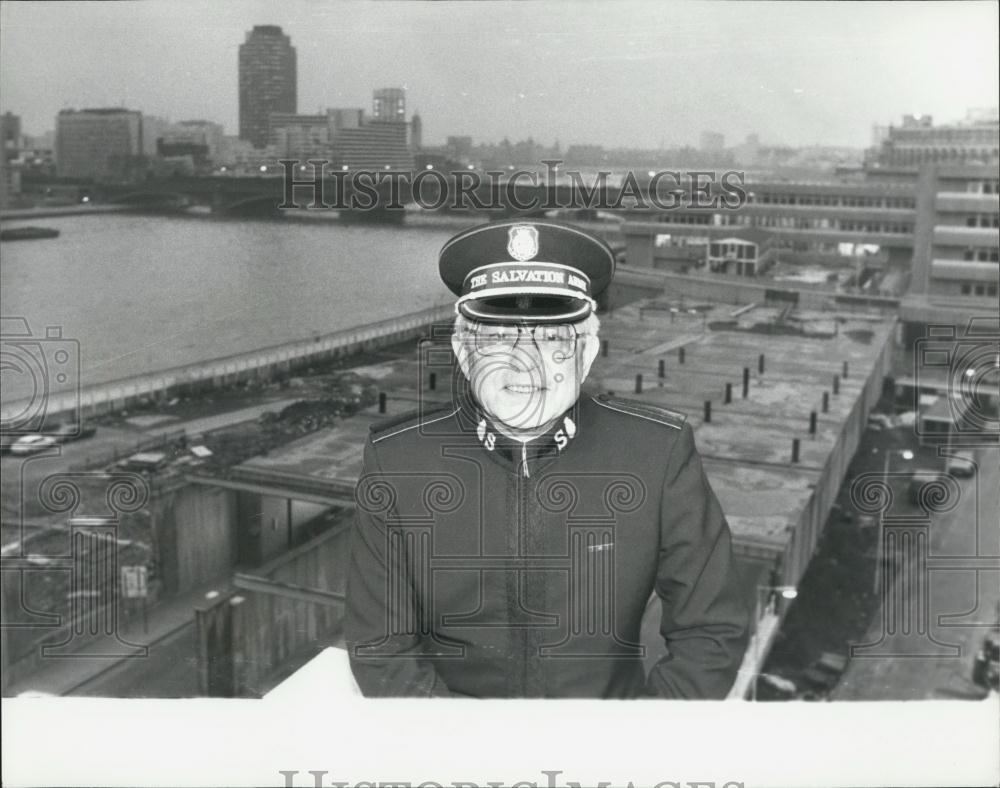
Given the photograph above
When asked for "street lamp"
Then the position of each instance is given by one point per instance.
(787, 592)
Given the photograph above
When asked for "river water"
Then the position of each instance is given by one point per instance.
(145, 293)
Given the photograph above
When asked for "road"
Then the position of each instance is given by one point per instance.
(963, 584)
(169, 671)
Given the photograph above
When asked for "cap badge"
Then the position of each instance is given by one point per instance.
(522, 242)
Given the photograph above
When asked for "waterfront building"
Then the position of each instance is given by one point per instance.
(300, 136)
(458, 147)
(10, 183)
(389, 105)
(234, 153)
(267, 81)
(97, 143)
(372, 146)
(198, 132)
(344, 136)
(416, 132)
(154, 129)
(10, 135)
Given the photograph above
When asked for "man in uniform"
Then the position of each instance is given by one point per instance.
(507, 545)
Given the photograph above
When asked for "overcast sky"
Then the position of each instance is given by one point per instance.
(611, 73)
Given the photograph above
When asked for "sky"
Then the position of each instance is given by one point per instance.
(618, 74)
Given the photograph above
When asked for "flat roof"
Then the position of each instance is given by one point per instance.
(747, 446)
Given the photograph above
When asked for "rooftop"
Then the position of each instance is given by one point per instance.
(746, 446)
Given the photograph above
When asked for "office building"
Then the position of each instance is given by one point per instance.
(917, 141)
(267, 81)
(389, 105)
(372, 146)
(956, 259)
(97, 143)
(299, 136)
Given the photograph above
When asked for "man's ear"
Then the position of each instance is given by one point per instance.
(591, 345)
(461, 352)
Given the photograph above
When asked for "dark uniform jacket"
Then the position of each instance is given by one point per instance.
(482, 566)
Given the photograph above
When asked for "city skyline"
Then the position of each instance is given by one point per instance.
(179, 60)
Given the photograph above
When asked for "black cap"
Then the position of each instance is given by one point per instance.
(526, 271)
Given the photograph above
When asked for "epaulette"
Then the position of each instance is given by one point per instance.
(642, 410)
(409, 420)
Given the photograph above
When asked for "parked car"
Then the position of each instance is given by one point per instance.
(963, 463)
(144, 461)
(64, 433)
(29, 444)
(986, 667)
(7, 442)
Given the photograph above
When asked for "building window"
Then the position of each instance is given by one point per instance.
(979, 290)
(991, 290)
(966, 289)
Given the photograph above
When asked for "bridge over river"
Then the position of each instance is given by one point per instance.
(385, 196)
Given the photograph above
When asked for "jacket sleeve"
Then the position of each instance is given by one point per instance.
(705, 617)
(383, 619)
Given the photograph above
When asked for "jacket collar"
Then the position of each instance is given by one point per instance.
(511, 452)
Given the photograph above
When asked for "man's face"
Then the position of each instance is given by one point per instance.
(525, 375)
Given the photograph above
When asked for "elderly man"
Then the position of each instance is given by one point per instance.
(508, 544)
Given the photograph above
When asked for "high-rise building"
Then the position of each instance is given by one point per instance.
(97, 143)
(389, 104)
(267, 81)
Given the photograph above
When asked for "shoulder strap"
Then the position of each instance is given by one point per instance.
(642, 410)
(395, 425)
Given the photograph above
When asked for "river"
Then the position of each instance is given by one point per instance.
(145, 293)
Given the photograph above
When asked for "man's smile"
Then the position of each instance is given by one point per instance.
(523, 388)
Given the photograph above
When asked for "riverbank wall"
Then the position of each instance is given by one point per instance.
(265, 364)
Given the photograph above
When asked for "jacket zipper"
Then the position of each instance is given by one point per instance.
(524, 460)
(525, 531)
